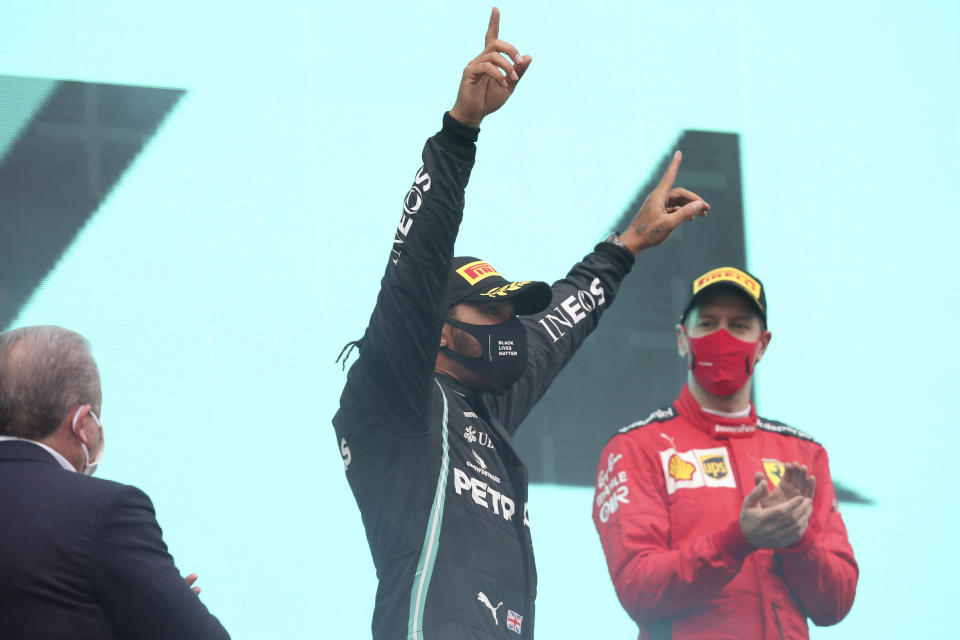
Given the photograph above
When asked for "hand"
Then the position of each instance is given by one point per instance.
(795, 482)
(665, 209)
(490, 78)
(190, 580)
(777, 526)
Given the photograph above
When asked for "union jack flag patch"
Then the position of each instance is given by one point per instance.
(513, 621)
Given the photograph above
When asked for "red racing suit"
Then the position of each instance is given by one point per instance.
(669, 493)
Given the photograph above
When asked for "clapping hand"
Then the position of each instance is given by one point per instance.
(795, 482)
(776, 526)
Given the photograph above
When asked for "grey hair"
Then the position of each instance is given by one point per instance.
(45, 372)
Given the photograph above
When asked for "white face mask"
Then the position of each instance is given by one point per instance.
(89, 466)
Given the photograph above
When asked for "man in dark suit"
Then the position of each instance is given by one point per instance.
(80, 557)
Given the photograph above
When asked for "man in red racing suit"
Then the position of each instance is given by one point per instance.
(717, 523)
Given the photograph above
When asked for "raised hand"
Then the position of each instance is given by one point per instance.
(490, 78)
(665, 209)
(777, 526)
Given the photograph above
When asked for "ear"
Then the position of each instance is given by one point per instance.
(683, 345)
(78, 421)
(765, 338)
(445, 335)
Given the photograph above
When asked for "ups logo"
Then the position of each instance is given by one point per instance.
(715, 466)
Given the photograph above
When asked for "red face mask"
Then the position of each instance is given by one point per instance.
(721, 363)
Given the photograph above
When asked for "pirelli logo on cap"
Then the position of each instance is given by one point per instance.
(474, 272)
(728, 274)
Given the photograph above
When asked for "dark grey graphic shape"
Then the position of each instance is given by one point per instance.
(59, 170)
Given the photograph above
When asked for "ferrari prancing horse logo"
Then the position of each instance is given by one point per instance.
(774, 470)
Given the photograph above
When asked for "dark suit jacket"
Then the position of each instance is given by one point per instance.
(84, 558)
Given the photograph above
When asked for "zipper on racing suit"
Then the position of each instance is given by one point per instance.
(736, 470)
(776, 616)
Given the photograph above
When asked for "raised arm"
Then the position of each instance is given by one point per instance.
(392, 375)
(581, 298)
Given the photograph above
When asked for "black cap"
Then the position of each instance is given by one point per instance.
(474, 280)
(729, 277)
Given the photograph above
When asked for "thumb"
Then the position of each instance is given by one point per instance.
(689, 211)
(759, 492)
(522, 66)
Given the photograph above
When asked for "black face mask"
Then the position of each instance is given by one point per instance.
(504, 345)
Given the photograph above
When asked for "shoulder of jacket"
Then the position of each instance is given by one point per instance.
(664, 414)
(775, 426)
(112, 491)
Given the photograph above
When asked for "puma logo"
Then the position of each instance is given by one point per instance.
(482, 597)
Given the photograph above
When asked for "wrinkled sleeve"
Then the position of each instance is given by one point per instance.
(820, 567)
(390, 381)
(652, 580)
(140, 588)
(555, 334)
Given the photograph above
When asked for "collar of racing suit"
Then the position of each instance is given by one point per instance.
(474, 398)
(716, 426)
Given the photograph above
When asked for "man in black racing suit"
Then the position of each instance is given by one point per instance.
(447, 372)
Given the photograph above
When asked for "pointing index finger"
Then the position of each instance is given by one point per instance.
(671, 174)
(493, 29)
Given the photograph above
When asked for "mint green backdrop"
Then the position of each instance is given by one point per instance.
(244, 246)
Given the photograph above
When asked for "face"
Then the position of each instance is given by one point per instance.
(493, 312)
(724, 310)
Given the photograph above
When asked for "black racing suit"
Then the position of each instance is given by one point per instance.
(441, 489)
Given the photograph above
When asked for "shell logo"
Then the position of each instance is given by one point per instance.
(679, 468)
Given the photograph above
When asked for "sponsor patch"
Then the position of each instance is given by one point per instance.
(474, 272)
(660, 415)
(411, 205)
(514, 620)
(603, 475)
(714, 466)
(774, 470)
(785, 429)
(739, 429)
(680, 469)
(612, 489)
(471, 435)
(483, 494)
(573, 310)
(696, 468)
(728, 274)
